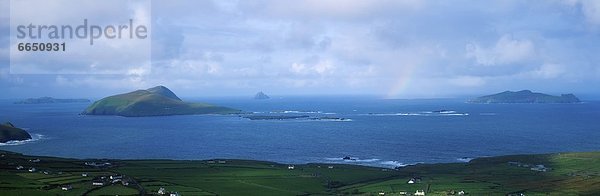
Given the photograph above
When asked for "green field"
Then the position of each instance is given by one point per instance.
(567, 174)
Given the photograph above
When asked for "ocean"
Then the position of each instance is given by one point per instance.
(374, 132)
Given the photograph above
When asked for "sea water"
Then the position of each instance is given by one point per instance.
(370, 131)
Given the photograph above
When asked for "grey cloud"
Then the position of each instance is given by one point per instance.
(445, 48)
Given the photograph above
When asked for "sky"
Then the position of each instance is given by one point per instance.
(383, 48)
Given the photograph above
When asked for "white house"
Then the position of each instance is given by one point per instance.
(116, 177)
(162, 191)
(290, 167)
(540, 168)
(411, 181)
(66, 187)
(420, 192)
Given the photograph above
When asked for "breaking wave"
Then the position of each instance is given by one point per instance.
(34, 138)
(367, 162)
(299, 112)
(464, 159)
(441, 113)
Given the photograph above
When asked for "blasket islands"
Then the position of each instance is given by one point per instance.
(525, 96)
(49, 100)
(156, 101)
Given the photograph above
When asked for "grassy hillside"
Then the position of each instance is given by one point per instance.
(567, 174)
(9, 132)
(157, 101)
(525, 96)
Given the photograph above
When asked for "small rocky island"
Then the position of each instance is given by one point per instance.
(8, 132)
(156, 101)
(44, 100)
(261, 95)
(525, 96)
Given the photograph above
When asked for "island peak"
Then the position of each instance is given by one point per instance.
(164, 91)
(261, 95)
(156, 101)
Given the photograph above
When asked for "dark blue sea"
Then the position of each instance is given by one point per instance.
(377, 132)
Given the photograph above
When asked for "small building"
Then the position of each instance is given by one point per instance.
(381, 193)
(330, 167)
(161, 191)
(419, 192)
(540, 168)
(222, 162)
(34, 160)
(46, 172)
(115, 177)
(66, 187)
(211, 161)
(20, 167)
(98, 183)
(461, 193)
(411, 181)
(84, 174)
(32, 169)
(290, 167)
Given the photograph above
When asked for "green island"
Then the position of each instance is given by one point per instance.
(541, 174)
(8, 132)
(525, 96)
(43, 100)
(156, 101)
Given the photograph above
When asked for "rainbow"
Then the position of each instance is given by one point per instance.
(402, 81)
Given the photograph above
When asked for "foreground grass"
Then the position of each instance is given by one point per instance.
(568, 174)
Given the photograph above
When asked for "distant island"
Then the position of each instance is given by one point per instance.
(156, 101)
(43, 100)
(261, 95)
(8, 132)
(525, 96)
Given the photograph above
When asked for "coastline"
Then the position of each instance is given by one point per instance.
(487, 175)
